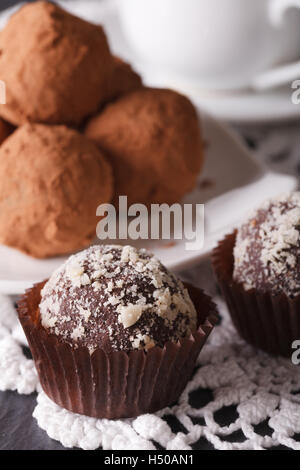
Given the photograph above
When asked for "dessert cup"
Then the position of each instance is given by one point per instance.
(266, 321)
(120, 384)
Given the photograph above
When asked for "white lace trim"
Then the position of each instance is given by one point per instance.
(262, 388)
(16, 371)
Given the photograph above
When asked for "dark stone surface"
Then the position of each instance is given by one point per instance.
(18, 429)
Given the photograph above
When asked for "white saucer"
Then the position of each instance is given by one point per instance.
(234, 183)
(241, 106)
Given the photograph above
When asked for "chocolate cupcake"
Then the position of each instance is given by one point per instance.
(258, 269)
(113, 333)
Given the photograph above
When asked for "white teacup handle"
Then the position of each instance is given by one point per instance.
(279, 75)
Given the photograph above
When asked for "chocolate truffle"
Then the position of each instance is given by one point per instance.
(153, 140)
(56, 66)
(51, 181)
(124, 79)
(267, 249)
(116, 298)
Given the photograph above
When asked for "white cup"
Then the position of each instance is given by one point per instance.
(216, 44)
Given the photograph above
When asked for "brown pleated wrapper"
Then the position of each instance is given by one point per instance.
(116, 385)
(264, 320)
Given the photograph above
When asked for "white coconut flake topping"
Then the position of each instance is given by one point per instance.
(130, 314)
(270, 240)
(107, 278)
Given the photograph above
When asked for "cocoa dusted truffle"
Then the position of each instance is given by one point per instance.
(267, 248)
(51, 181)
(153, 140)
(116, 298)
(124, 79)
(56, 67)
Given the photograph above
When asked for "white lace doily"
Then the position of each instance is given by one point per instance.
(257, 388)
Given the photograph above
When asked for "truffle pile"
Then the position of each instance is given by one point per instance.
(60, 73)
(267, 249)
(116, 298)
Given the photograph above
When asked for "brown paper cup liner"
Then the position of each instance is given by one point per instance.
(120, 384)
(265, 321)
